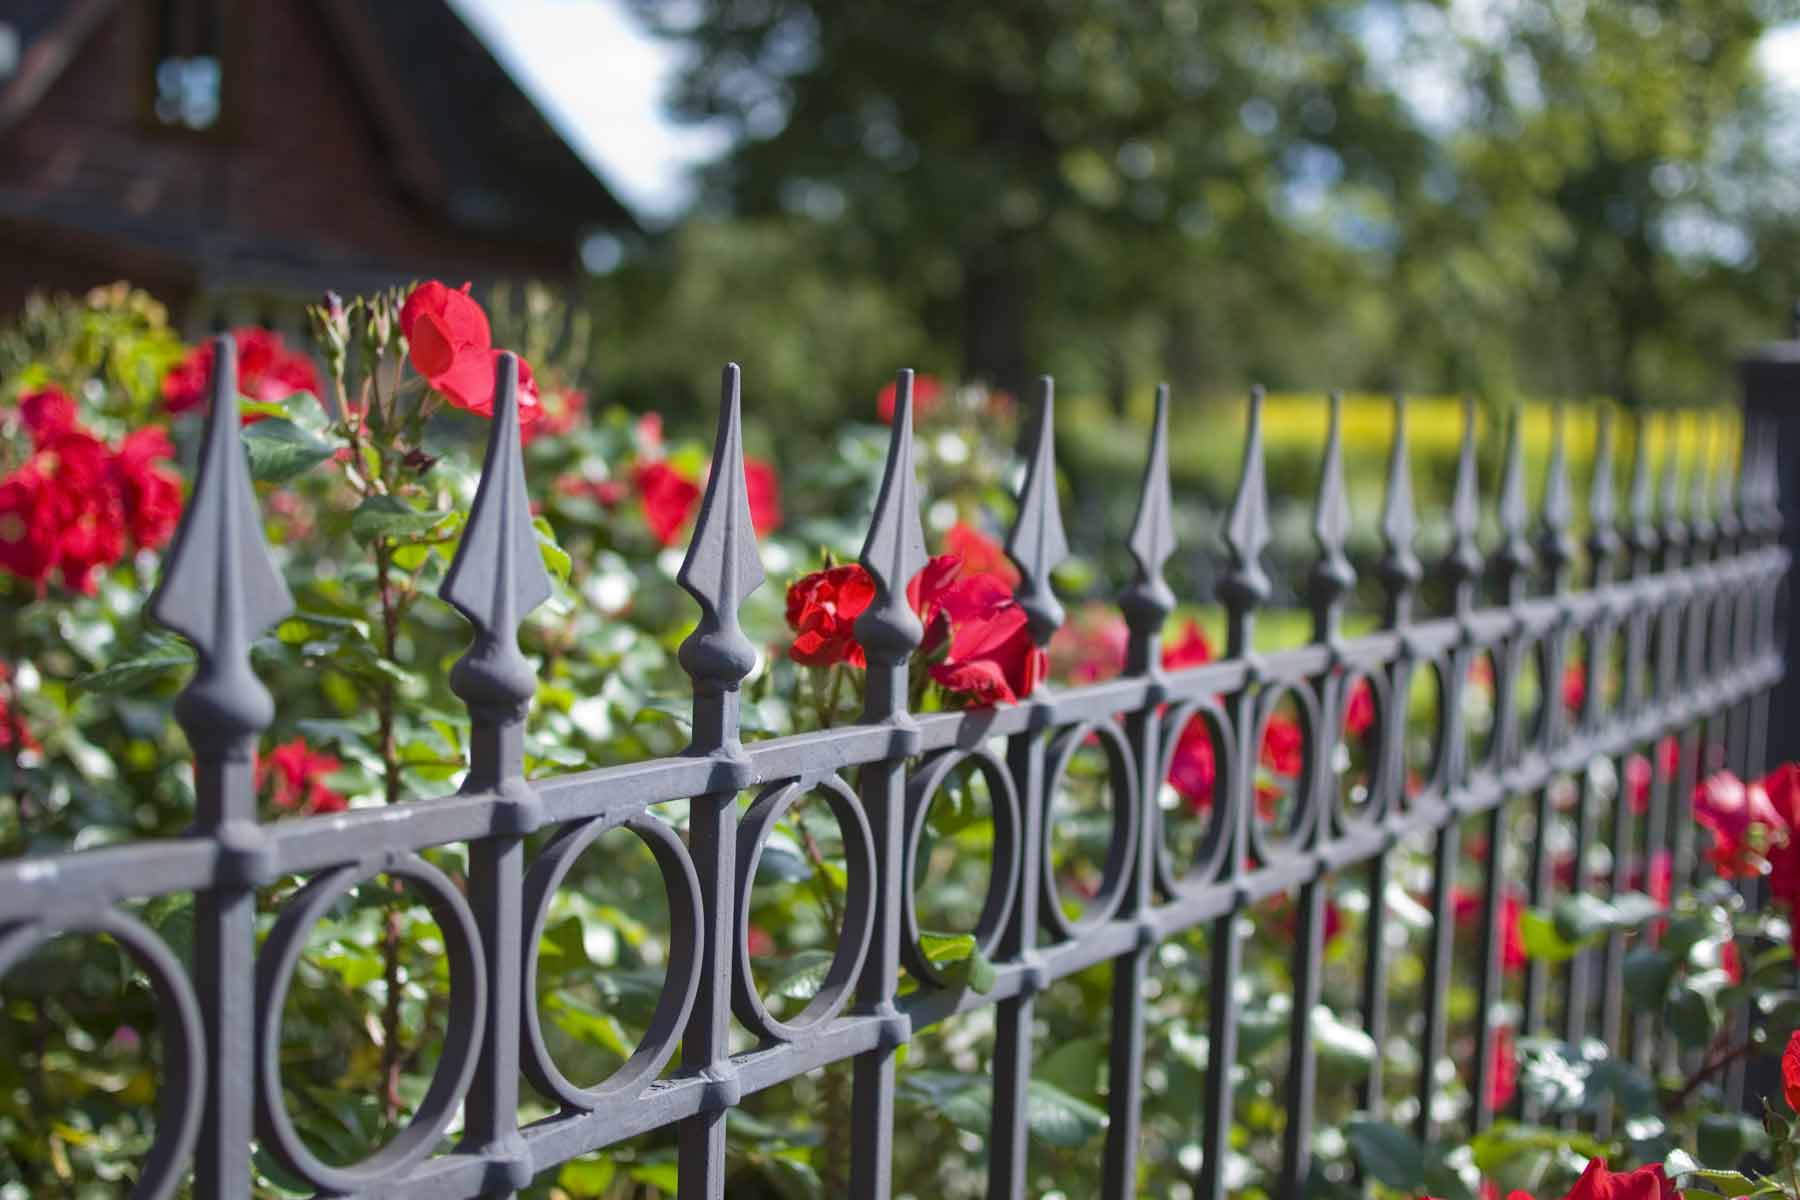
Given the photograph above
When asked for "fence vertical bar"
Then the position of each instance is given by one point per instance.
(219, 590)
(1037, 545)
(721, 568)
(1146, 603)
(893, 553)
(1331, 580)
(496, 580)
(1243, 587)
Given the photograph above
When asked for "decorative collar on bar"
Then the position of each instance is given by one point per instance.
(1642, 535)
(1603, 540)
(1398, 568)
(895, 549)
(1514, 556)
(1332, 574)
(219, 590)
(722, 566)
(1556, 546)
(1463, 562)
(1148, 600)
(498, 576)
(1037, 544)
(1245, 584)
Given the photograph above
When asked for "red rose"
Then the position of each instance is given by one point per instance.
(667, 497)
(1192, 768)
(1467, 906)
(1645, 1183)
(992, 656)
(1742, 820)
(1284, 747)
(1790, 1071)
(47, 414)
(822, 609)
(61, 512)
(151, 493)
(1574, 687)
(1190, 649)
(927, 391)
(268, 373)
(1359, 710)
(295, 775)
(1503, 1069)
(763, 490)
(451, 345)
(980, 554)
(1782, 787)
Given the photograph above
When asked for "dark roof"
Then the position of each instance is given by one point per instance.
(466, 139)
(502, 164)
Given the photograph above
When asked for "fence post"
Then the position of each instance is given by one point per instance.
(1770, 377)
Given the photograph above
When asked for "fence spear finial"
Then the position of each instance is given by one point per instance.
(497, 577)
(219, 589)
(1147, 600)
(1603, 539)
(1464, 561)
(1245, 584)
(1725, 483)
(1555, 544)
(1037, 544)
(1701, 527)
(1642, 533)
(723, 565)
(895, 549)
(1399, 567)
(1332, 575)
(1515, 557)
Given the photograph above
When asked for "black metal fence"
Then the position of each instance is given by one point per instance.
(1688, 586)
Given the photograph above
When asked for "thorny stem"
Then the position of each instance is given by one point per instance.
(1707, 1071)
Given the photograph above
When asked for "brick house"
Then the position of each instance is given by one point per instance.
(236, 157)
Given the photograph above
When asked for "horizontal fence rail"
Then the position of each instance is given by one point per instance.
(1688, 586)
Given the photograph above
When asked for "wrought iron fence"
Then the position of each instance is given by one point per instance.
(1688, 586)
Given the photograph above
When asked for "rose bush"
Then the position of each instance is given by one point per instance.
(365, 465)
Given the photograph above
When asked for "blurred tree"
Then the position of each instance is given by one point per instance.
(1542, 195)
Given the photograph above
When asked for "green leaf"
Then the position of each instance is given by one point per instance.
(1542, 939)
(279, 450)
(1583, 917)
(1691, 1017)
(556, 559)
(587, 1177)
(137, 674)
(799, 975)
(387, 517)
(1647, 974)
(1388, 1154)
(1060, 1119)
(1724, 1138)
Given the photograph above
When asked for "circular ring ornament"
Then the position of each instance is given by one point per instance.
(180, 1098)
(1003, 878)
(1369, 814)
(1126, 812)
(462, 1039)
(1209, 856)
(859, 906)
(1268, 845)
(681, 979)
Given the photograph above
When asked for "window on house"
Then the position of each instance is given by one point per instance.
(188, 43)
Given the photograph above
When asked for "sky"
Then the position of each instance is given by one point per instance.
(602, 80)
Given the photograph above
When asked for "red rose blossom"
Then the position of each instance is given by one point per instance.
(762, 488)
(1645, 1183)
(980, 554)
(1091, 645)
(1467, 907)
(268, 373)
(822, 609)
(1741, 819)
(927, 392)
(1503, 1069)
(295, 775)
(450, 343)
(1790, 1071)
(668, 498)
(47, 414)
(1189, 649)
(151, 493)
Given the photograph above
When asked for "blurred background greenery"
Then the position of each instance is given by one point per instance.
(1528, 199)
